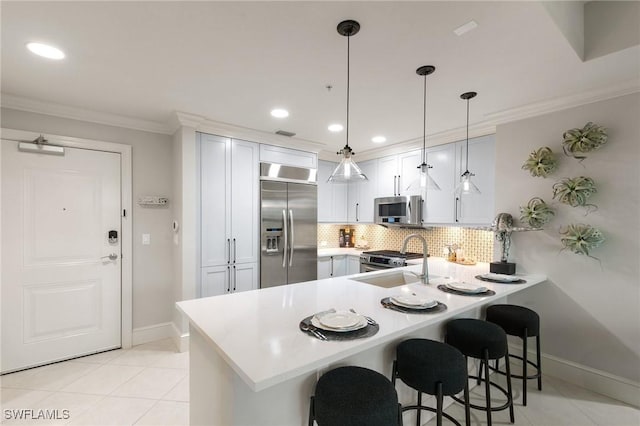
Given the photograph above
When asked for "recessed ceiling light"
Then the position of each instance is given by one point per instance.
(279, 113)
(335, 127)
(45, 50)
(471, 25)
(378, 139)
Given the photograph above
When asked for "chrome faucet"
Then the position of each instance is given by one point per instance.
(425, 268)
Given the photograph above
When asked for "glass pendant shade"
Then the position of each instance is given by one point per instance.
(347, 170)
(424, 180)
(466, 185)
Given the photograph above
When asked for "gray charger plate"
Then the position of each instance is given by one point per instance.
(462, 293)
(368, 331)
(386, 302)
(489, 280)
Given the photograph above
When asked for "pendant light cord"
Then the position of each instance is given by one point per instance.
(348, 61)
(467, 136)
(424, 123)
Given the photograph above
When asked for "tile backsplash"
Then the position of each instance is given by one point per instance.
(475, 243)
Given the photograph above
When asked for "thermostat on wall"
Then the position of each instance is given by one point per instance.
(152, 200)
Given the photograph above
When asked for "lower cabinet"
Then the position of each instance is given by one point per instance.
(353, 265)
(217, 280)
(332, 266)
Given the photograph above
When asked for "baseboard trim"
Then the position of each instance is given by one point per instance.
(597, 381)
(151, 333)
(180, 339)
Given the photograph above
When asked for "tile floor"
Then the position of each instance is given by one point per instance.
(149, 385)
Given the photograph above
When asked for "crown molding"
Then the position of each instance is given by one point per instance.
(562, 103)
(185, 119)
(49, 108)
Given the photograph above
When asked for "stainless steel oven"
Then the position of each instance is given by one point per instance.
(384, 259)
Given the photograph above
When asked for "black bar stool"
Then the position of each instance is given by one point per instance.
(434, 368)
(524, 323)
(484, 341)
(354, 396)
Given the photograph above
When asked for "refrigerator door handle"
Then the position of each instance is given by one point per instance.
(286, 239)
(292, 242)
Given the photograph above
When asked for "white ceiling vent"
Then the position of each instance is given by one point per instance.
(285, 133)
(471, 25)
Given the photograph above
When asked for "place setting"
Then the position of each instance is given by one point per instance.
(465, 289)
(413, 304)
(335, 324)
(500, 278)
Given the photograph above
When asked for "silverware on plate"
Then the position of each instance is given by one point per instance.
(370, 320)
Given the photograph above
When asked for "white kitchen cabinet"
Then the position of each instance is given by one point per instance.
(229, 208)
(477, 209)
(332, 197)
(332, 266)
(217, 280)
(353, 265)
(288, 156)
(397, 172)
(362, 193)
(438, 206)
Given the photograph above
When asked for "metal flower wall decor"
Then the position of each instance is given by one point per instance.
(575, 191)
(536, 213)
(541, 162)
(581, 238)
(579, 141)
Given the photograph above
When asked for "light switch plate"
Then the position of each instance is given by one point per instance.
(146, 239)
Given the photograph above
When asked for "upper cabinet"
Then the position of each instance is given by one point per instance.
(477, 208)
(361, 194)
(332, 197)
(288, 156)
(397, 172)
(449, 162)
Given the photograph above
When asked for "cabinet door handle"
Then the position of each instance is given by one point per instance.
(234, 250)
(398, 185)
(456, 207)
(228, 251)
(395, 178)
(228, 279)
(357, 206)
(234, 277)
(331, 274)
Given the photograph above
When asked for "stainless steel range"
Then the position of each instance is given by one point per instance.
(385, 259)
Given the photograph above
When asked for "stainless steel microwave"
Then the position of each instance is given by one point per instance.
(398, 211)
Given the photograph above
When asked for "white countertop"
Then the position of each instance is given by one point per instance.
(339, 251)
(257, 332)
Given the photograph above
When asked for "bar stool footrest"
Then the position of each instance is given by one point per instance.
(433, 410)
(515, 376)
(484, 408)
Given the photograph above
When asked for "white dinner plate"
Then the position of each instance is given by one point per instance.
(466, 288)
(500, 277)
(411, 301)
(339, 321)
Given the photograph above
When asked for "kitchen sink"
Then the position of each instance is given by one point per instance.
(388, 280)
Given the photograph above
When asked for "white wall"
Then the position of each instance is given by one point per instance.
(153, 301)
(590, 311)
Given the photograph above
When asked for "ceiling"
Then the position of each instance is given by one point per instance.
(233, 62)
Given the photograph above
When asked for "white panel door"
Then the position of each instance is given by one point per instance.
(388, 176)
(245, 194)
(245, 277)
(408, 172)
(439, 204)
(60, 294)
(215, 199)
(215, 280)
(325, 194)
(324, 267)
(478, 208)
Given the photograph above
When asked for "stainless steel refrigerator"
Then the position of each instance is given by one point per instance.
(288, 225)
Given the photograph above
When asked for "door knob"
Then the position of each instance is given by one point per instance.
(112, 256)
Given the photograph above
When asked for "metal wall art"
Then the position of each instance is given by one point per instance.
(579, 141)
(541, 162)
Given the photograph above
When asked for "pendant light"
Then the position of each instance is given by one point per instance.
(424, 181)
(347, 170)
(466, 186)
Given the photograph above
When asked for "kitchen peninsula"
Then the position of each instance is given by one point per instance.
(251, 365)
